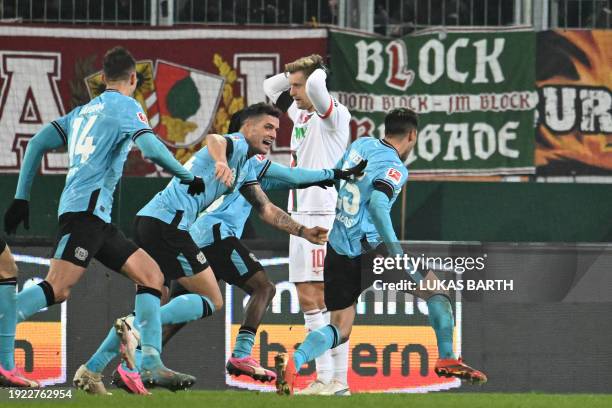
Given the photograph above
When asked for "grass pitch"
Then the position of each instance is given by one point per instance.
(243, 399)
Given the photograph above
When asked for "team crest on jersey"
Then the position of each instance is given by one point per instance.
(201, 258)
(394, 175)
(142, 118)
(80, 253)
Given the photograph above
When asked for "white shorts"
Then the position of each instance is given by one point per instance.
(305, 258)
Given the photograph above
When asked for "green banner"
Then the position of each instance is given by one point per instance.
(474, 92)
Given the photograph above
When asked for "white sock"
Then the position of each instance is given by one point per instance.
(314, 320)
(340, 360)
(339, 356)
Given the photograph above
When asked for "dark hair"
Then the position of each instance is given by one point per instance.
(400, 121)
(259, 109)
(235, 122)
(118, 64)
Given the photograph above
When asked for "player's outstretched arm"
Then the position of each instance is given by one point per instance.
(280, 177)
(380, 213)
(279, 219)
(294, 177)
(153, 149)
(48, 138)
(219, 149)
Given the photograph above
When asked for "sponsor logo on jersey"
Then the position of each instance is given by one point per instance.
(233, 176)
(347, 221)
(394, 175)
(201, 258)
(80, 253)
(91, 108)
(143, 118)
(299, 132)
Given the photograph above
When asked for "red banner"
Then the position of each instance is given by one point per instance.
(190, 81)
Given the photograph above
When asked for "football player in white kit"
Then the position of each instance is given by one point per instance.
(319, 139)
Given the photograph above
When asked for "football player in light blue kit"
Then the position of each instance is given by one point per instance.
(363, 224)
(162, 229)
(217, 232)
(99, 136)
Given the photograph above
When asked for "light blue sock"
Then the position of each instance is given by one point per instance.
(186, 308)
(8, 321)
(30, 301)
(316, 343)
(244, 343)
(441, 319)
(148, 314)
(108, 350)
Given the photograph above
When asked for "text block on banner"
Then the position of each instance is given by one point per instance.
(474, 92)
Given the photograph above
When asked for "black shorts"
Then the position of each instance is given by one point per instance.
(83, 236)
(231, 261)
(345, 277)
(2, 245)
(173, 249)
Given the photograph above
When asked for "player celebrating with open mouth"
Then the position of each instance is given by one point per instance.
(162, 229)
(217, 232)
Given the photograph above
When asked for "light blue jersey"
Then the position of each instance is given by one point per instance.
(174, 205)
(230, 211)
(385, 171)
(99, 136)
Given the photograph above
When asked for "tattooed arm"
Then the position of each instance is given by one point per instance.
(279, 219)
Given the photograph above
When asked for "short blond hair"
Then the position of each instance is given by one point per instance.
(305, 64)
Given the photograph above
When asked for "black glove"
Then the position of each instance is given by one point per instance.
(18, 211)
(355, 171)
(323, 184)
(196, 186)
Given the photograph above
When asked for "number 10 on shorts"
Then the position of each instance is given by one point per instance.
(318, 258)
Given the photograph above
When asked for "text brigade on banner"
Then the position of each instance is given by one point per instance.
(476, 100)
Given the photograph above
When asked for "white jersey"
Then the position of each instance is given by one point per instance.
(317, 142)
